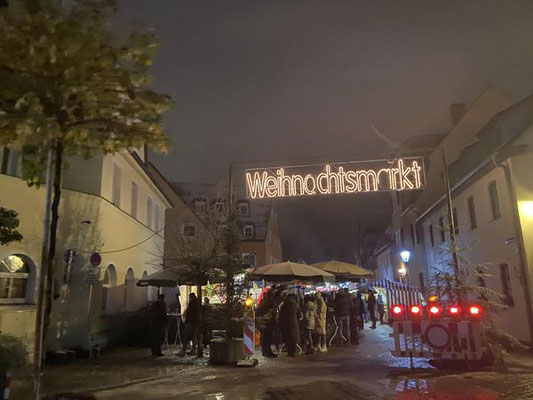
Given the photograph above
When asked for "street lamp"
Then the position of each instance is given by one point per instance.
(405, 255)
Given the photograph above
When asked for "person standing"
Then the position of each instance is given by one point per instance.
(192, 322)
(267, 311)
(371, 302)
(343, 308)
(359, 311)
(320, 322)
(158, 323)
(381, 308)
(207, 322)
(289, 317)
(309, 322)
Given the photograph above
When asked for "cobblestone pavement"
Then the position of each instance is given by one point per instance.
(367, 371)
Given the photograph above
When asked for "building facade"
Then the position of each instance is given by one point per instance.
(260, 233)
(489, 156)
(110, 206)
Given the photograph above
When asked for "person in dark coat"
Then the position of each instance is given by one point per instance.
(158, 324)
(381, 308)
(192, 324)
(207, 322)
(371, 303)
(268, 315)
(289, 318)
(358, 315)
(343, 310)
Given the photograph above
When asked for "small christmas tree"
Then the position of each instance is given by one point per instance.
(457, 280)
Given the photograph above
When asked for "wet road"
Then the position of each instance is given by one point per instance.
(367, 371)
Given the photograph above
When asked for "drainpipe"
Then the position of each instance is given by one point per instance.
(520, 242)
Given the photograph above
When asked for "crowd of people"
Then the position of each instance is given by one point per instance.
(192, 325)
(289, 319)
(292, 320)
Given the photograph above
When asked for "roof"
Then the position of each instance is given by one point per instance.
(499, 132)
(260, 209)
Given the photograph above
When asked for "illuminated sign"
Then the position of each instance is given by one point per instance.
(382, 175)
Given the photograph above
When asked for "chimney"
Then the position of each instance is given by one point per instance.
(457, 112)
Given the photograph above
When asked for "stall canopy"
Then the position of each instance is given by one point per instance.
(343, 271)
(289, 271)
(178, 275)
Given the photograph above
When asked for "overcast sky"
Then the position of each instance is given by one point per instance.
(257, 80)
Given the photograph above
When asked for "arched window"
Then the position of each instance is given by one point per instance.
(145, 289)
(109, 281)
(16, 279)
(129, 290)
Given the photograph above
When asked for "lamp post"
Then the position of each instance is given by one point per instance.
(405, 256)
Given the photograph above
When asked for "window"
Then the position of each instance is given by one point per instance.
(109, 281)
(482, 283)
(10, 162)
(220, 205)
(412, 231)
(431, 237)
(199, 206)
(472, 213)
(244, 209)
(189, 229)
(149, 207)
(506, 285)
(15, 274)
(248, 231)
(249, 260)
(117, 173)
(442, 229)
(402, 237)
(455, 221)
(134, 197)
(419, 233)
(129, 290)
(157, 216)
(421, 280)
(398, 239)
(494, 200)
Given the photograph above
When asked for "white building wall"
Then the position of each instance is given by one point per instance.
(485, 244)
(88, 222)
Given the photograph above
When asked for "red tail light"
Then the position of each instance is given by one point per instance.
(398, 310)
(455, 311)
(435, 310)
(416, 311)
(475, 310)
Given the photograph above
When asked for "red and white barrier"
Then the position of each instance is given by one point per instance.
(249, 333)
(437, 339)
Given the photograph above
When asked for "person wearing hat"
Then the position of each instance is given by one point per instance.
(158, 323)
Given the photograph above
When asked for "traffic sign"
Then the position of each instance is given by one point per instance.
(93, 275)
(95, 259)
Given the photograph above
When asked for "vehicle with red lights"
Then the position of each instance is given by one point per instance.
(438, 331)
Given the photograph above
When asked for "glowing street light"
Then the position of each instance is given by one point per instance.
(402, 271)
(405, 255)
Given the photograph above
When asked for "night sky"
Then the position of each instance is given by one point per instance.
(287, 80)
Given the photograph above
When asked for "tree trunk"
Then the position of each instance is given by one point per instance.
(58, 172)
(39, 317)
(44, 304)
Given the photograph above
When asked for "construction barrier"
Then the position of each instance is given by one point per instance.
(249, 333)
(399, 293)
(449, 340)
